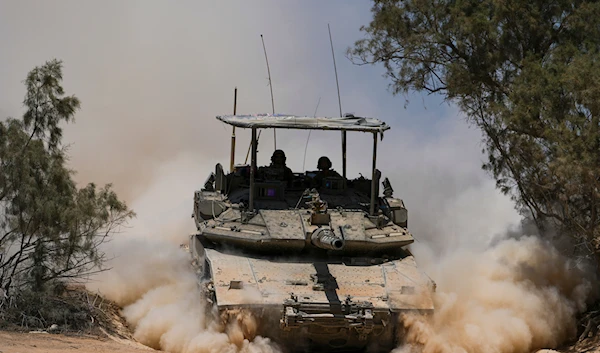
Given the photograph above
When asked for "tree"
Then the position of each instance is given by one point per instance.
(527, 73)
(49, 229)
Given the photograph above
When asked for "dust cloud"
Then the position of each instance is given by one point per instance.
(495, 293)
(511, 295)
(153, 281)
(517, 295)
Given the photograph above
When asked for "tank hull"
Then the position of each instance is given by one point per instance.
(311, 304)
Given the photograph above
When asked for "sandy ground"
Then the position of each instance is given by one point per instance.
(14, 342)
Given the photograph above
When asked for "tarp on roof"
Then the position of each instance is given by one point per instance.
(282, 121)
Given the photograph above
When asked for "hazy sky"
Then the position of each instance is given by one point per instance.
(152, 76)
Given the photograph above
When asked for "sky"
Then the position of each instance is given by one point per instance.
(152, 76)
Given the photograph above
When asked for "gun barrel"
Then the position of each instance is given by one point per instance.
(325, 238)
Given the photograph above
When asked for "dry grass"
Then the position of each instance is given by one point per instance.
(588, 333)
(64, 309)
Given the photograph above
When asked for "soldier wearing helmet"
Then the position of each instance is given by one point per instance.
(324, 167)
(324, 164)
(279, 168)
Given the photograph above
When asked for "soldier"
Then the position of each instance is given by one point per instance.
(278, 164)
(324, 167)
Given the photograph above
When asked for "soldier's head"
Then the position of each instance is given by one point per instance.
(278, 158)
(324, 163)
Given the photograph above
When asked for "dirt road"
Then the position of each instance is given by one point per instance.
(14, 342)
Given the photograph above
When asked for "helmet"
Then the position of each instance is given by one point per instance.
(324, 163)
(278, 153)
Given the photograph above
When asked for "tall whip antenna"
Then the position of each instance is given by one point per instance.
(272, 102)
(308, 138)
(335, 69)
(340, 105)
(271, 87)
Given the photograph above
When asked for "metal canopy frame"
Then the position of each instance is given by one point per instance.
(283, 121)
(374, 126)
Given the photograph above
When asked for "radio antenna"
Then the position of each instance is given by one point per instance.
(308, 138)
(272, 103)
(335, 70)
(271, 87)
(340, 105)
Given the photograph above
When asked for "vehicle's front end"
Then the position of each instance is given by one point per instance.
(312, 265)
(304, 302)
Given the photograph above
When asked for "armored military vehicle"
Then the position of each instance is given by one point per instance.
(319, 260)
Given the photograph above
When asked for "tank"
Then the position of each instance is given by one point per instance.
(318, 261)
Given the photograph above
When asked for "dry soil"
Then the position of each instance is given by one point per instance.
(16, 342)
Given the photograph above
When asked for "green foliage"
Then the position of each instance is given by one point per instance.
(46, 107)
(527, 73)
(49, 229)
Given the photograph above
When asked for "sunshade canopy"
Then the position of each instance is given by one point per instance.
(283, 121)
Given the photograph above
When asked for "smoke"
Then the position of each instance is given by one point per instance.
(153, 282)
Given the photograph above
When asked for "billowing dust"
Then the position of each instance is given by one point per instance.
(518, 295)
(152, 280)
(511, 295)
